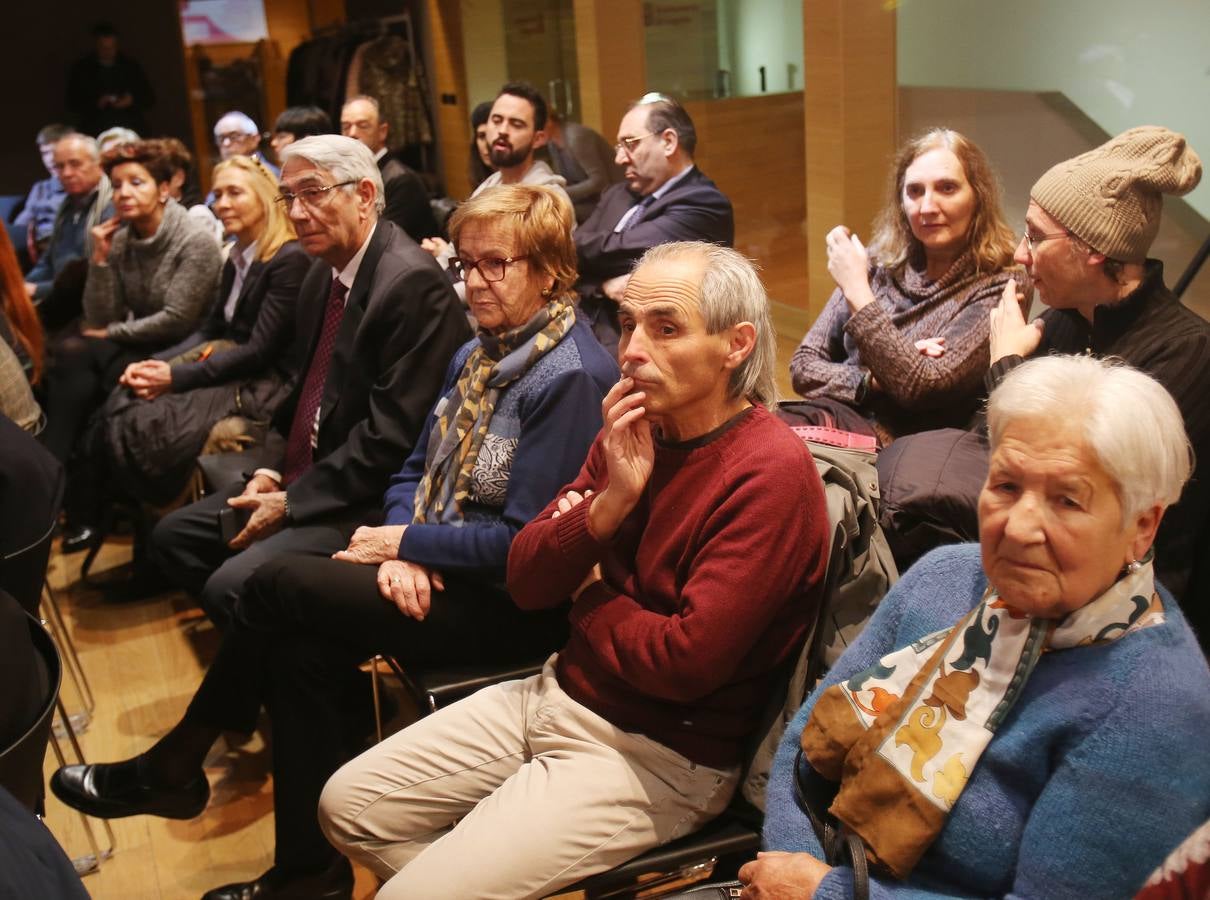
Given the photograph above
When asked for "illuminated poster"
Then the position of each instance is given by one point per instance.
(223, 21)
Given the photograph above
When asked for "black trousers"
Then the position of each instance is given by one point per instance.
(188, 548)
(85, 370)
(298, 635)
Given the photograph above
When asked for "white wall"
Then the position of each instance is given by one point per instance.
(1123, 62)
(755, 33)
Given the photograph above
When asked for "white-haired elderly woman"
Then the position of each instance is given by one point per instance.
(1027, 717)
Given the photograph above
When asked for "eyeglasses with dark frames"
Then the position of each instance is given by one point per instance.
(310, 196)
(492, 268)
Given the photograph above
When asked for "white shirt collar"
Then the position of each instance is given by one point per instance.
(380, 154)
(348, 274)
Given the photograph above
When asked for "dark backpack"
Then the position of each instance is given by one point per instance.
(860, 571)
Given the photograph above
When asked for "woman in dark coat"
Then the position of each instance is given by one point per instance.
(236, 364)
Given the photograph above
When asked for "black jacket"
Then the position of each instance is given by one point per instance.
(693, 210)
(401, 326)
(407, 199)
(262, 326)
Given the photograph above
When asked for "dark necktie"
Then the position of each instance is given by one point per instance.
(299, 452)
(640, 209)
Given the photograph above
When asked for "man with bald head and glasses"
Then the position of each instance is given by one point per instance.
(377, 326)
(663, 198)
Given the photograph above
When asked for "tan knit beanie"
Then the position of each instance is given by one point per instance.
(1110, 197)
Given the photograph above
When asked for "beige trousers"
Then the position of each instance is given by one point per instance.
(513, 792)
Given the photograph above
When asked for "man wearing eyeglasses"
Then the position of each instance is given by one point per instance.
(664, 198)
(377, 325)
(1088, 230)
(235, 134)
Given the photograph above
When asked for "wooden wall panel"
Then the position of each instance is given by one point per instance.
(752, 148)
(850, 97)
(612, 60)
(448, 78)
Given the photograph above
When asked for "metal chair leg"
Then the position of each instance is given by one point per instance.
(90, 862)
(52, 618)
(82, 684)
(376, 690)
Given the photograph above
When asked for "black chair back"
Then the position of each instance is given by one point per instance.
(21, 761)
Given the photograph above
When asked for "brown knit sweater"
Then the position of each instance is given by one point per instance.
(916, 393)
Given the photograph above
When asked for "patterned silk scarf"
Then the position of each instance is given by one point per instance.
(464, 415)
(903, 736)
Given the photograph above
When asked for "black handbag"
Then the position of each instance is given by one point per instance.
(814, 794)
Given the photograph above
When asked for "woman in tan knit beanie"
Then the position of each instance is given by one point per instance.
(1090, 223)
(902, 344)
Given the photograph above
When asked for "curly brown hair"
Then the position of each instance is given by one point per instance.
(152, 155)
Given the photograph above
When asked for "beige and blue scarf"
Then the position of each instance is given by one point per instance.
(465, 414)
(903, 737)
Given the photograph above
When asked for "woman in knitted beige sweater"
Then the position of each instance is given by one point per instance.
(151, 278)
(902, 344)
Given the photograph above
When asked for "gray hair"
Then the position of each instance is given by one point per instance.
(732, 293)
(346, 158)
(1129, 422)
(87, 141)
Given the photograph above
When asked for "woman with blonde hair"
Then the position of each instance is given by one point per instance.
(902, 344)
(237, 363)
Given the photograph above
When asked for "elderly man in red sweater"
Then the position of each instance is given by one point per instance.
(692, 545)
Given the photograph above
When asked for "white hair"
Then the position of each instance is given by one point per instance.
(345, 158)
(1128, 420)
(240, 121)
(731, 293)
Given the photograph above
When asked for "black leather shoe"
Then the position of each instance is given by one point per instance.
(77, 538)
(333, 883)
(113, 791)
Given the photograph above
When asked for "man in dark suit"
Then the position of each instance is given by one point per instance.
(664, 198)
(378, 322)
(406, 197)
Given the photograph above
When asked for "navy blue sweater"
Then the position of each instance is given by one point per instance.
(1099, 770)
(553, 412)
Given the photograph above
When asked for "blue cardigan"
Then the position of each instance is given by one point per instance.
(554, 413)
(1100, 769)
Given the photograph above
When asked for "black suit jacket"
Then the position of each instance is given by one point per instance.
(407, 199)
(262, 325)
(694, 210)
(401, 326)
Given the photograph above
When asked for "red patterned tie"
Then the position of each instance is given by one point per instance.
(299, 451)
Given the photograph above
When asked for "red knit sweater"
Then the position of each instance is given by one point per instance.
(708, 586)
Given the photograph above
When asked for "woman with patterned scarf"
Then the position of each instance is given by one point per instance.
(1027, 717)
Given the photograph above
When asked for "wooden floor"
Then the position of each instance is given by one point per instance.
(144, 659)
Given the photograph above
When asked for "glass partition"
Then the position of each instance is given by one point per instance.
(1036, 82)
